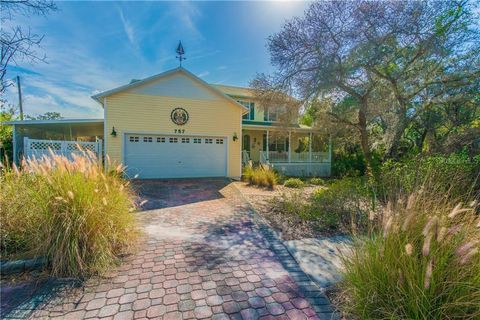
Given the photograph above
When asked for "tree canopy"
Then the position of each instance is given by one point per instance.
(401, 74)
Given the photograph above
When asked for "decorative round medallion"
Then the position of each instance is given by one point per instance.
(179, 116)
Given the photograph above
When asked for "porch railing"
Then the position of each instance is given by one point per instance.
(245, 157)
(275, 156)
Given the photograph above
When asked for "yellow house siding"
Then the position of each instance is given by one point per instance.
(142, 113)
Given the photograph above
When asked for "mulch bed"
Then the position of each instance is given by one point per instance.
(289, 227)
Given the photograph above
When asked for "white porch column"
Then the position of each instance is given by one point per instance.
(289, 146)
(330, 149)
(310, 147)
(267, 151)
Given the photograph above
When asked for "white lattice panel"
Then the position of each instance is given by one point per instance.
(45, 145)
(40, 148)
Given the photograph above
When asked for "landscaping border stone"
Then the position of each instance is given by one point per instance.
(18, 266)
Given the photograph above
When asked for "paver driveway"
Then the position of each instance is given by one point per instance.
(205, 254)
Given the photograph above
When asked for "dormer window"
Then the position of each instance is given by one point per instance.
(251, 110)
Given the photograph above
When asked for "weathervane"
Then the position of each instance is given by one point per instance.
(180, 53)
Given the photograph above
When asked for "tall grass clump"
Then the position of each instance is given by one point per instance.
(262, 176)
(70, 212)
(421, 262)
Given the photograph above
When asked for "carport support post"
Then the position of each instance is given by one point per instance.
(14, 140)
(289, 146)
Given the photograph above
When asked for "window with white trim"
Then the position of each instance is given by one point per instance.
(279, 144)
(219, 141)
(273, 114)
(147, 139)
(208, 141)
(185, 140)
(251, 110)
(173, 140)
(161, 139)
(197, 140)
(133, 139)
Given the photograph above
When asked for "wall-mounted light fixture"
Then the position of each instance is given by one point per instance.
(235, 137)
(113, 133)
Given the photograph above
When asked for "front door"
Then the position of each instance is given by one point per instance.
(246, 143)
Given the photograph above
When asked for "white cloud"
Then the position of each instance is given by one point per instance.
(39, 104)
(76, 98)
(186, 13)
(128, 28)
(203, 74)
(77, 68)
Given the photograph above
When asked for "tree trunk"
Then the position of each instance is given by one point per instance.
(402, 121)
(397, 136)
(364, 143)
(421, 142)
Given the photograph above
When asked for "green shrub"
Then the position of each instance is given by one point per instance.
(423, 262)
(292, 205)
(262, 176)
(455, 175)
(344, 205)
(293, 183)
(348, 163)
(67, 211)
(317, 181)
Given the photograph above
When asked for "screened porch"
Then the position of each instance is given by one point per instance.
(64, 136)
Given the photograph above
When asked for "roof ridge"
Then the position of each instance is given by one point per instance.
(231, 86)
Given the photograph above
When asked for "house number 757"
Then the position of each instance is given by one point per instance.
(179, 130)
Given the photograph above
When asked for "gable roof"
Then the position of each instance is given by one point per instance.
(98, 97)
(234, 90)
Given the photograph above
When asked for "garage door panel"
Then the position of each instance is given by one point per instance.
(150, 156)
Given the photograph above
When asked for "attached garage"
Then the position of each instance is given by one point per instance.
(175, 156)
(173, 125)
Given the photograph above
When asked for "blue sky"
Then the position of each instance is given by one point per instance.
(95, 46)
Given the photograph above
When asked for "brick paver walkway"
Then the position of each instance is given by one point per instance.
(205, 254)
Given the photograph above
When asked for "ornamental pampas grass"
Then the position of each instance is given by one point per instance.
(386, 276)
(64, 210)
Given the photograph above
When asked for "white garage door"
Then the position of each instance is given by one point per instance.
(163, 156)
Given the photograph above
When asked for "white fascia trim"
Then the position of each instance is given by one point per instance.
(54, 121)
(164, 74)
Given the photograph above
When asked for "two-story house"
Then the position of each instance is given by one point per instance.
(175, 125)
